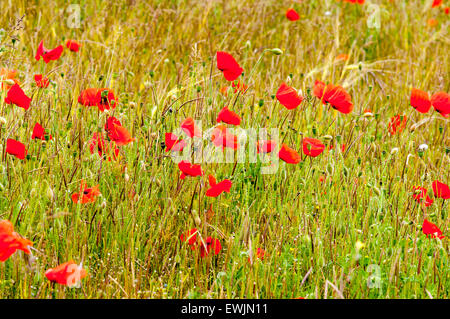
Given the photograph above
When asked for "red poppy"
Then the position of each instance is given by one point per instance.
(436, 3)
(40, 81)
(10, 241)
(117, 133)
(6, 75)
(259, 254)
(102, 147)
(218, 188)
(441, 190)
(212, 244)
(68, 274)
(173, 143)
(16, 148)
(189, 127)
(355, 1)
(239, 86)
(265, 146)
(431, 230)
(420, 195)
(441, 103)
(88, 97)
(222, 137)
(73, 45)
(228, 65)
(397, 124)
(447, 10)
(318, 89)
(420, 100)
(188, 169)
(87, 194)
(292, 15)
(39, 132)
(289, 155)
(48, 55)
(342, 148)
(342, 57)
(312, 147)
(229, 117)
(190, 237)
(16, 96)
(288, 97)
(338, 98)
(105, 99)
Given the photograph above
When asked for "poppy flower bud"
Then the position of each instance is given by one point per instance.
(132, 105)
(327, 137)
(103, 205)
(9, 82)
(2, 120)
(197, 219)
(368, 114)
(50, 193)
(423, 147)
(394, 150)
(276, 51)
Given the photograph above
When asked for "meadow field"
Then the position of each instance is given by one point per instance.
(346, 196)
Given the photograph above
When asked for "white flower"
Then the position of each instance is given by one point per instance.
(423, 147)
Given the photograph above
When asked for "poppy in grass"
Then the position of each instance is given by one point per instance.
(228, 65)
(105, 99)
(16, 148)
(312, 147)
(446, 10)
(342, 57)
(292, 15)
(218, 188)
(318, 89)
(88, 97)
(420, 100)
(48, 55)
(265, 146)
(338, 98)
(73, 45)
(288, 96)
(10, 241)
(117, 133)
(188, 126)
(68, 274)
(8, 78)
(441, 103)
(103, 147)
(239, 86)
(17, 97)
(420, 195)
(190, 237)
(212, 245)
(173, 143)
(229, 117)
(431, 230)
(288, 155)
(222, 137)
(436, 3)
(86, 194)
(40, 81)
(441, 190)
(39, 132)
(397, 124)
(188, 169)
(355, 1)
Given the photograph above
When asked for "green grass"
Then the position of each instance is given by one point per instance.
(158, 55)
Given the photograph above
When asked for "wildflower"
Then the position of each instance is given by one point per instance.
(441, 103)
(173, 143)
(288, 97)
(86, 194)
(39, 132)
(188, 169)
(420, 195)
(229, 117)
(397, 124)
(292, 15)
(265, 146)
(312, 147)
(40, 81)
(189, 127)
(338, 98)
(48, 55)
(420, 100)
(68, 274)
(117, 133)
(441, 190)
(73, 45)
(190, 237)
(17, 97)
(288, 155)
(431, 230)
(218, 188)
(212, 245)
(222, 137)
(228, 65)
(102, 147)
(16, 148)
(10, 241)
(8, 78)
